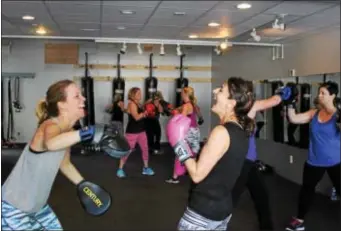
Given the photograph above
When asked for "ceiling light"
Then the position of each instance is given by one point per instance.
(225, 44)
(127, 12)
(213, 24)
(193, 36)
(123, 49)
(41, 30)
(178, 50)
(28, 17)
(254, 35)
(243, 6)
(217, 50)
(278, 25)
(179, 13)
(121, 28)
(162, 50)
(139, 50)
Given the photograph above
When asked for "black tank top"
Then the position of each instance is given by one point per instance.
(212, 197)
(135, 126)
(117, 113)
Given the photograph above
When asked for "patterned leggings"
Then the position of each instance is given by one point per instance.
(14, 219)
(193, 140)
(194, 221)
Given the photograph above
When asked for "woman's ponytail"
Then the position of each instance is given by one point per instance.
(41, 111)
(248, 124)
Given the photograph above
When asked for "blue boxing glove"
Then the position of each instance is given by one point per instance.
(284, 92)
(87, 133)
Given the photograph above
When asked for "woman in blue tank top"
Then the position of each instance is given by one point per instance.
(324, 148)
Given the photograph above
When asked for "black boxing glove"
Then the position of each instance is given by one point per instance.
(94, 199)
(292, 99)
(200, 120)
(166, 107)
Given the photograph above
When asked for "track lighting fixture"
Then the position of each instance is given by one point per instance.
(178, 50)
(217, 50)
(123, 49)
(254, 35)
(278, 24)
(162, 50)
(225, 44)
(139, 49)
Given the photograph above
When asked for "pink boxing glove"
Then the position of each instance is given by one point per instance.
(177, 129)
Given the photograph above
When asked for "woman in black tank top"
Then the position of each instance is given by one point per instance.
(136, 131)
(219, 164)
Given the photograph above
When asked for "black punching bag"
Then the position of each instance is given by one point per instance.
(305, 106)
(150, 82)
(181, 83)
(277, 116)
(118, 86)
(88, 92)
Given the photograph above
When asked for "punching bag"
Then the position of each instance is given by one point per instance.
(3, 139)
(305, 106)
(118, 86)
(87, 84)
(181, 83)
(291, 128)
(277, 116)
(150, 82)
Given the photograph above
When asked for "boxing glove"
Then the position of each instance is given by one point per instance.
(292, 98)
(94, 199)
(92, 133)
(284, 92)
(200, 120)
(150, 110)
(175, 112)
(177, 128)
(167, 107)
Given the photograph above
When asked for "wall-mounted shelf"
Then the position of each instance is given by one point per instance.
(144, 67)
(15, 75)
(135, 79)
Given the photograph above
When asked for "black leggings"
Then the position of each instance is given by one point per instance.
(311, 176)
(253, 180)
(153, 130)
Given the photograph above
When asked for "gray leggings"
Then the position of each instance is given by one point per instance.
(193, 221)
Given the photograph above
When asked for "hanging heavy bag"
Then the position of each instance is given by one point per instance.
(181, 83)
(87, 84)
(151, 82)
(305, 106)
(277, 118)
(16, 102)
(118, 87)
(10, 126)
(3, 139)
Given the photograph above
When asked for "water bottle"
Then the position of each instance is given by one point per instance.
(334, 196)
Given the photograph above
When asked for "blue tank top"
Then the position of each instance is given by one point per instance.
(324, 143)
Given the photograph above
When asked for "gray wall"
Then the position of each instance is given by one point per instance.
(28, 56)
(310, 56)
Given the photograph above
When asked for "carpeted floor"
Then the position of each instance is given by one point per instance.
(148, 203)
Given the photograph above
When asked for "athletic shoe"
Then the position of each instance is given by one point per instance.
(173, 181)
(295, 225)
(148, 171)
(120, 173)
(157, 152)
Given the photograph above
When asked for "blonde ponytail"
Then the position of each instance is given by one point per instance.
(41, 111)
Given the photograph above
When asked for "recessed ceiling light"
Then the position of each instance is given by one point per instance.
(128, 12)
(243, 6)
(28, 17)
(41, 30)
(213, 24)
(193, 36)
(121, 28)
(178, 13)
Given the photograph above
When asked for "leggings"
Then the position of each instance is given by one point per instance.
(141, 139)
(14, 219)
(251, 178)
(153, 130)
(311, 176)
(194, 221)
(193, 140)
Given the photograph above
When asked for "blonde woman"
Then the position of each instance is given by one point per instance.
(136, 131)
(189, 109)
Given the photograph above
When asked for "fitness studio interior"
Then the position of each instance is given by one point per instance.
(141, 65)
